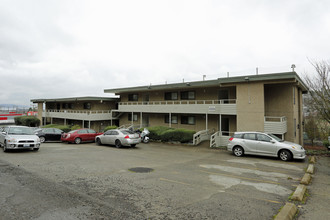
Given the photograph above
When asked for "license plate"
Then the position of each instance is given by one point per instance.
(26, 145)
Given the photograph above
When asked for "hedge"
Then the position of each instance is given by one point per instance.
(110, 127)
(30, 121)
(166, 134)
(64, 128)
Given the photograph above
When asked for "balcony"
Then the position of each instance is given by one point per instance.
(275, 125)
(227, 106)
(79, 114)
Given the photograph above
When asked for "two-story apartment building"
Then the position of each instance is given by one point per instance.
(87, 112)
(267, 103)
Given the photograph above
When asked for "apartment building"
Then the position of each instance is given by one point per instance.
(87, 112)
(266, 102)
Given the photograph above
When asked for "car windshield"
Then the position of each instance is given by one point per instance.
(276, 138)
(20, 131)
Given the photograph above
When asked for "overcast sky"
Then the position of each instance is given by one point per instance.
(67, 48)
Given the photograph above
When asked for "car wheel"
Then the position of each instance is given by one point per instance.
(118, 143)
(42, 139)
(238, 151)
(133, 145)
(98, 141)
(285, 155)
(5, 147)
(77, 140)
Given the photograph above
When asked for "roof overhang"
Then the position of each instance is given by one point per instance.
(286, 76)
(74, 99)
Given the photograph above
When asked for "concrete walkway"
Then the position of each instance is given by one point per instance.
(318, 203)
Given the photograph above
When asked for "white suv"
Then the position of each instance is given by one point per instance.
(263, 144)
(18, 137)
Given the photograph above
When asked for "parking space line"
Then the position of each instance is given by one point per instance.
(173, 181)
(240, 177)
(266, 200)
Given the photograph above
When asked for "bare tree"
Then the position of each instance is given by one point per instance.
(319, 89)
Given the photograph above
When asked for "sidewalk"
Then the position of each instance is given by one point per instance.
(318, 202)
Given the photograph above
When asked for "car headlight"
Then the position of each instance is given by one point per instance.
(293, 147)
(11, 140)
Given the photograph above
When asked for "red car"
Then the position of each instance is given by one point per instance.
(80, 135)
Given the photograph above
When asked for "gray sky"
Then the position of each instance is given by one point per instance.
(65, 48)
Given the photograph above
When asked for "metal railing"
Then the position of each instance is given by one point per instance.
(275, 119)
(182, 102)
(80, 111)
(201, 136)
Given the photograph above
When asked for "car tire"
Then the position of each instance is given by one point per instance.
(42, 139)
(118, 143)
(98, 141)
(238, 151)
(133, 145)
(77, 141)
(285, 155)
(5, 147)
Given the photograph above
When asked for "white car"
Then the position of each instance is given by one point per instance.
(18, 137)
(263, 144)
(118, 138)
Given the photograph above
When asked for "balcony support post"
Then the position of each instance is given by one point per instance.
(51, 120)
(83, 123)
(89, 124)
(65, 121)
(170, 120)
(140, 119)
(206, 119)
(220, 125)
(132, 118)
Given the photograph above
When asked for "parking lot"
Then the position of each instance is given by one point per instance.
(154, 181)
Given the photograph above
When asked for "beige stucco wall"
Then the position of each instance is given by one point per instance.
(250, 106)
(210, 93)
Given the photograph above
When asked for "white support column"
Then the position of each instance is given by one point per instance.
(170, 120)
(132, 118)
(220, 124)
(206, 119)
(141, 120)
(83, 123)
(89, 124)
(111, 122)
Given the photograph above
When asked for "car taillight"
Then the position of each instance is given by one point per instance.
(230, 139)
(126, 136)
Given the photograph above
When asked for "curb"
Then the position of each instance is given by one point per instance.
(287, 212)
(306, 179)
(313, 159)
(310, 169)
(298, 195)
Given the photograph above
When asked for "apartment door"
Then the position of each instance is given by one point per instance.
(145, 98)
(223, 95)
(225, 126)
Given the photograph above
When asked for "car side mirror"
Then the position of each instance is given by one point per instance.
(4, 132)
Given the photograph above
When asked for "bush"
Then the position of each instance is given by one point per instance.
(180, 135)
(30, 121)
(326, 144)
(156, 132)
(64, 128)
(167, 134)
(110, 127)
(75, 127)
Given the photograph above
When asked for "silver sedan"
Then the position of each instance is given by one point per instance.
(118, 138)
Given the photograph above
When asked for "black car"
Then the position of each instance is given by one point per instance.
(49, 134)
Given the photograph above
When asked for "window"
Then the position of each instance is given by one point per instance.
(187, 95)
(250, 136)
(84, 131)
(171, 96)
(135, 117)
(174, 119)
(262, 137)
(133, 97)
(87, 105)
(189, 120)
(91, 131)
(237, 135)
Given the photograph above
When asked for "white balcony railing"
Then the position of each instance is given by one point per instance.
(275, 125)
(227, 106)
(79, 114)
